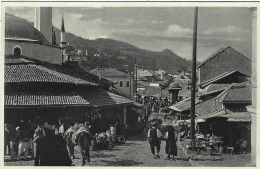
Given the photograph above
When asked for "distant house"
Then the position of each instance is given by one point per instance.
(183, 78)
(122, 80)
(142, 74)
(160, 72)
(225, 60)
(173, 73)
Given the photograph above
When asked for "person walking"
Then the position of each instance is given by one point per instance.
(7, 140)
(51, 149)
(23, 143)
(154, 136)
(171, 147)
(39, 133)
(13, 141)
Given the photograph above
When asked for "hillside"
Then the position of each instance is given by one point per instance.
(112, 53)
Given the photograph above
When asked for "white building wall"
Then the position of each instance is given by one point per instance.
(36, 51)
(124, 89)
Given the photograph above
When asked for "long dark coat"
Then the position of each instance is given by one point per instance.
(171, 147)
(52, 151)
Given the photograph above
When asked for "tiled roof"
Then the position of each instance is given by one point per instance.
(143, 73)
(185, 93)
(109, 72)
(236, 93)
(183, 105)
(38, 73)
(44, 99)
(221, 76)
(172, 72)
(225, 60)
(99, 98)
(208, 108)
(213, 88)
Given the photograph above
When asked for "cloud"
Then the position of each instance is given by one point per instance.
(177, 30)
(22, 12)
(225, 30)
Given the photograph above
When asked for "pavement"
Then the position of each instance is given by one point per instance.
(136, 152)
(224, 160)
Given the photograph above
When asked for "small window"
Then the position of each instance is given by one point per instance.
(127, 84)
(121, 84)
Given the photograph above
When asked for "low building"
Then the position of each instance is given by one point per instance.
(121, 80)
(51, 91)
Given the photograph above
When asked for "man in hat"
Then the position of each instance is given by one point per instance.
(51, 149)
(154, 135)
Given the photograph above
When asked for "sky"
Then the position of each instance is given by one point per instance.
(157, 28)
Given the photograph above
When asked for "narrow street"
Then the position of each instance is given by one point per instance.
(136, 152)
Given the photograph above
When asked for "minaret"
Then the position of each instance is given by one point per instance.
(43, 21)
(62, 39)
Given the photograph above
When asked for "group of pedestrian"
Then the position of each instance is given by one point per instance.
(19, 139)
(154, 139)
(38, 139)
(156, 104)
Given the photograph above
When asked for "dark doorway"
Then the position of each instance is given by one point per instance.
(17, 51)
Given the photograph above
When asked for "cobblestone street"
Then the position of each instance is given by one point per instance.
(136, 152)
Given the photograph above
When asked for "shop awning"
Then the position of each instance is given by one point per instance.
(238, 116)
(100, 98)
(57, 98)
(200, 120)
(215, 114)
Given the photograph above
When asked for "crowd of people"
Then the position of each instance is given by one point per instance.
(38, 139)
(155, 104)
(28, 138)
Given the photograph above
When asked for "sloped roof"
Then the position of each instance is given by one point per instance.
(172, 72)
(221, 50)
(213, 88)
(185, 93)
(100, 98)
(213, 55)
(143, 73)
(38, 73)
(236, 93)
(208, 108)
(184, 105)
(63, 73)
(18, 28)
(40, 98)
(221, 76)
(109, 72)
(225, 60)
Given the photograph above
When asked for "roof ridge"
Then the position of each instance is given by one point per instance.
(213, 55)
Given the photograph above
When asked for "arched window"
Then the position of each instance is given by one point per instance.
(17, 51)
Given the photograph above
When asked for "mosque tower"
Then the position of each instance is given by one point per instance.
(43, 21)
(62, 38)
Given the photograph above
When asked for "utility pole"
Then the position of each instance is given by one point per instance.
(136, 78)
(193, 86)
